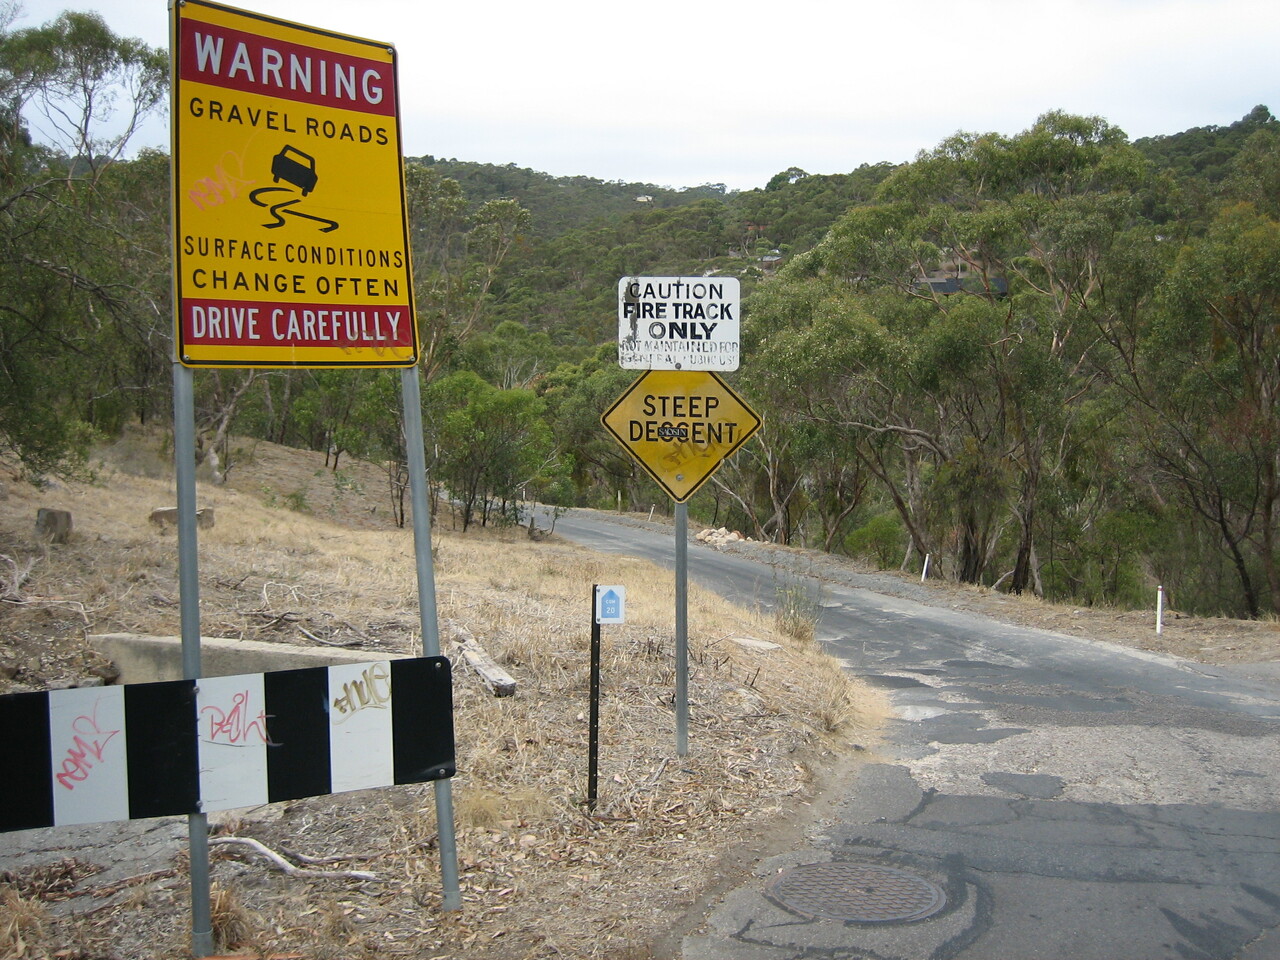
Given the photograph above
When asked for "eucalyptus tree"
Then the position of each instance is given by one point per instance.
(951, 331)
(492, 444)
(860, 366)
(457, 259)
(766, 482)
(1191, 331)
(1208, 377)
(510, 355)
(81, 89)
(576, 394)
(78, 327)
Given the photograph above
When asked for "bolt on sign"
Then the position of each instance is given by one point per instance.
(678, 323)
(290, 239)
(680, 425)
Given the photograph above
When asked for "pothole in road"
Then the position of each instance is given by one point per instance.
(856, 892)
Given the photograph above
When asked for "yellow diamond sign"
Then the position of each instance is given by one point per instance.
(680, 425)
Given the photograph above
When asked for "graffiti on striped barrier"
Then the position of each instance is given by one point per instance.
(96, 754)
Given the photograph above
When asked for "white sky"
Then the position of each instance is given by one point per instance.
(685, 92)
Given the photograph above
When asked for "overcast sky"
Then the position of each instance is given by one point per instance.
(685, 92)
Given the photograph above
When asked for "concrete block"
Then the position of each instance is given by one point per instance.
(145, 659)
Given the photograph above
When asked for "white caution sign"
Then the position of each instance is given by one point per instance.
(678, 323)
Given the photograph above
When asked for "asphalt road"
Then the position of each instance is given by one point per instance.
(1040, 797)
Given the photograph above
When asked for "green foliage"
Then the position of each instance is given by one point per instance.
(511, 355)
(493, 444)
(88, 88)
(1206, 152)
(797, 609)
(584, 235)
(560, 204)
(82, 280)
(1209, 357)
(1019, 356)
(795, 208)
(576, 395)
(297, 501)
(458, 261)
(880, 539)
(345, 483)
(1046, 358)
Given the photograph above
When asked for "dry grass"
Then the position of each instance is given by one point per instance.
(22, 924)
(542, 876)
(233, 926)
(796, 611)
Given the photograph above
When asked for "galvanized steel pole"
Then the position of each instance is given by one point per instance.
(184, 452)
(411, 395)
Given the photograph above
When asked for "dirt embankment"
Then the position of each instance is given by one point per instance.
(302, 554)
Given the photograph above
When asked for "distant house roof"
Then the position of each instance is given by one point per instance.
(947, 286)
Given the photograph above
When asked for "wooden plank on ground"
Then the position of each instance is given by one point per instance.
(501, 683)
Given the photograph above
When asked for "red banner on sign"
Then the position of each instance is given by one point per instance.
(225, 57)
(246, 323)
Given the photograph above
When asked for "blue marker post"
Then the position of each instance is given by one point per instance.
(608, 605)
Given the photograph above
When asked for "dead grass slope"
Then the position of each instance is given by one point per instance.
(300, 554)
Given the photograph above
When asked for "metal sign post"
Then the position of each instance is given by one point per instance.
(608, 605)
(679, 420)
(593, 723)
(184, 444)
(682, 629)
(680, 425)
(290, 241)
(411, 396)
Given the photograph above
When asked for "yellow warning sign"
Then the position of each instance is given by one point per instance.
(290, 232)
(680, 425)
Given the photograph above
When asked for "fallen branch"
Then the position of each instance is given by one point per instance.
(111, 888)
(288, 868)
(17, 577)
(327, 643)
(50, 602)
(316, 861)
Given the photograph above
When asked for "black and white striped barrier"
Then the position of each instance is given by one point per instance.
(96, 754)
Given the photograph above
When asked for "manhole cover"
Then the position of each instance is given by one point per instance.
(857, 891)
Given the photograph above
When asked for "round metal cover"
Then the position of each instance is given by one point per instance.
(859, 892)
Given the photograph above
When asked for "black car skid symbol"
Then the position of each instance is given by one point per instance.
(301, 174)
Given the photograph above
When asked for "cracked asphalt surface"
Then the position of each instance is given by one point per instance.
(1072, 798)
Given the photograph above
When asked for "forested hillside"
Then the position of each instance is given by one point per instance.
(1204, 152)
(1047, 360)
(560, 204)
(583, 235)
